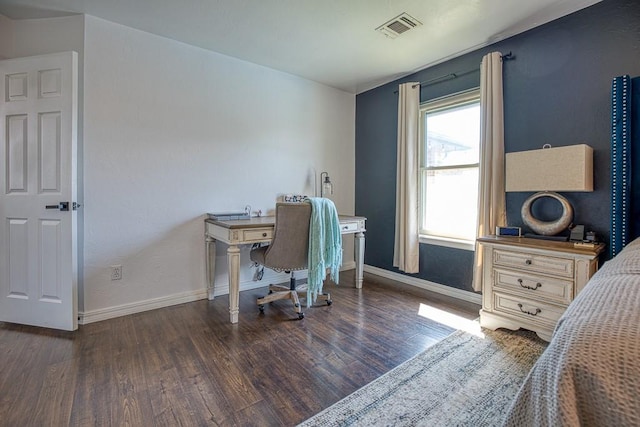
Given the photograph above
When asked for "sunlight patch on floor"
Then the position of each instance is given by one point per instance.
(450, 319)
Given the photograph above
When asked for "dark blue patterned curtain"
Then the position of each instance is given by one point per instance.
(625, 154)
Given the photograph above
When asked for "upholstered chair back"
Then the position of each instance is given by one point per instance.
(290, 245)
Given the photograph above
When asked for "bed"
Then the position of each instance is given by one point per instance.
(590, 372)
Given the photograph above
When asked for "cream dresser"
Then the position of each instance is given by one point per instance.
(528, 283)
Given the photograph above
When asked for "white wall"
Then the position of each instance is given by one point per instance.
(171, 132)
(29, 37)
(6, 37)
(48, 35)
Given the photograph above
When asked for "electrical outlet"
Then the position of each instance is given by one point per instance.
(116, 272)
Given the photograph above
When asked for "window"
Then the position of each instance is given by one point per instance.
(450, 152)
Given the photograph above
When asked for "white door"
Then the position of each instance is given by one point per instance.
(38, 130)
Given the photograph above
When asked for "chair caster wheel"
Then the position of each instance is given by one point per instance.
(261, 308)
(300, 316)
(329, 302)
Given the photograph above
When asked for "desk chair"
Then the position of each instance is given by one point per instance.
(288, 252)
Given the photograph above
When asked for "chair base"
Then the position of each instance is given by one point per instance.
(279, 292)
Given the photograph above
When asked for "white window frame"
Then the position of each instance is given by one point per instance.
(458, 99)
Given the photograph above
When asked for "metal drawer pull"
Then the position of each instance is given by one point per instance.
(529, 287)
(264, 234)
(538, 311)
(528, 262)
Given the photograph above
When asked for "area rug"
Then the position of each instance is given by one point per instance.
(464, 380)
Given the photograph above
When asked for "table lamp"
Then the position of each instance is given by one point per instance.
(547, 171)
(326, 187)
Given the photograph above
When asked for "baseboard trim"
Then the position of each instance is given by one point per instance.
(86, 317)
(425, 284)
(348, 266)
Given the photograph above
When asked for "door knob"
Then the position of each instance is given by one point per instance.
(62, 206)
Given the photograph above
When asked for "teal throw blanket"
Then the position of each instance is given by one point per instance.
(325, 246)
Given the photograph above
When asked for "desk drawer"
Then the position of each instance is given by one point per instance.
(554, 290)
(532, 262)
(531, 311)
(257, 234)
(348, 227)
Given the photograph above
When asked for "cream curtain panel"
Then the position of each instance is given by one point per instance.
(406, 246)
(491, 196)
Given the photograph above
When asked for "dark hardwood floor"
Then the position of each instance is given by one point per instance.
(186, 365)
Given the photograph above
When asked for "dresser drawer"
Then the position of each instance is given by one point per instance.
(536, 287)
(257, 234)
(526, 309)
(532, 262)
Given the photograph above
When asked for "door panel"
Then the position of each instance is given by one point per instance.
(18, 266)
(49, 152)
(50, 268)
(38, 129)
(17, 153)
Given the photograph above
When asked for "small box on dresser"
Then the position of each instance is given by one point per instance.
(528, 283)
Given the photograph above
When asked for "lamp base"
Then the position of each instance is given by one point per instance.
(547, 228)
(541, 237)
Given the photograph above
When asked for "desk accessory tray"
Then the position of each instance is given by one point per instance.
(226, 216)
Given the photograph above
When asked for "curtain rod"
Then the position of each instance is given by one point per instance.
(507, 57)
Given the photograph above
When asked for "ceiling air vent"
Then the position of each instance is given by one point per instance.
(398, 25)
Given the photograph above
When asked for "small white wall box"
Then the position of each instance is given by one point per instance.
(508, 231)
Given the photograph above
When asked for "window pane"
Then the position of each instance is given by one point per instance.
(452, 136)
(451, 198)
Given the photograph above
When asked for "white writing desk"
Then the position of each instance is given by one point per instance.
(260, 230)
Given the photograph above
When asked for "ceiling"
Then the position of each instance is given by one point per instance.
(333, 42)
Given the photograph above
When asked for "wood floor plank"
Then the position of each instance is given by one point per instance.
(55, 400)
(132, 403)
(26, 371)
(187, 365)
(169, 402)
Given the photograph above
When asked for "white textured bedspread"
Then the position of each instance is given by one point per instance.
(589, 374)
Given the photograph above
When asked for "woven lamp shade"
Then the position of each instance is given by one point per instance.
(568, 168)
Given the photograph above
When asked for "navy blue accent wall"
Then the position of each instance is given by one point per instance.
(557, 91)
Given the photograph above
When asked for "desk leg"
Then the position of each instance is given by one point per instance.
(210, 264)
(233, 260)
(359, 254)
